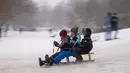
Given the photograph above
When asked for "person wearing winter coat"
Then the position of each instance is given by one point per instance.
(75, 37)
(108, 27)
(85, 46)
(64, 47)
(114, 24)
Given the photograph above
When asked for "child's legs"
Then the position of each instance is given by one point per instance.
(77, 53)
(61, 56)
(54, 55)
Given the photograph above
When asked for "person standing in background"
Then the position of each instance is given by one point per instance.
(108, 26)
(114, 24)
(0, 32)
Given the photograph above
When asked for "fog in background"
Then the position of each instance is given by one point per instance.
(30, 14)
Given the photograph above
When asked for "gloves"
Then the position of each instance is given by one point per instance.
(56, 44)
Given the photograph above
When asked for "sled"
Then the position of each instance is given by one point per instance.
(89, 57)
(72, 62)
(68, 62)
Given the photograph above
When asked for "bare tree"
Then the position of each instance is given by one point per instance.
(17, 12)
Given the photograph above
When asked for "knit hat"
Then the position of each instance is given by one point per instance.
(63, 33)
(74, 30)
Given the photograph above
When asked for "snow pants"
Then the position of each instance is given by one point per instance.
(61, 55)
(78, 52)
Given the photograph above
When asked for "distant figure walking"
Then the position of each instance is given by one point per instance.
(0, 32)
(21, 30)
(114, 24)
(108, 26)
(5, 30)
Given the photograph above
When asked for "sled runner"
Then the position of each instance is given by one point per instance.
(89, 57)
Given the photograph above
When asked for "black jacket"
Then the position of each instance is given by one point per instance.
(86, 43)
(114, 22)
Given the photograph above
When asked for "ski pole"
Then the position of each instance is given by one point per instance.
(53, 49)
(58, 48)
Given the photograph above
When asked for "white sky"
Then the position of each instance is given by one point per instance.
(49, 2)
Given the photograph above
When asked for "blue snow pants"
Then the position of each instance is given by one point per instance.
(61, 56)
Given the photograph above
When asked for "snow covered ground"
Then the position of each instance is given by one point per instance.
(19, 54)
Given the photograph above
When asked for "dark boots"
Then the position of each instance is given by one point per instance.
(48, 61)
(41, 62)
(79, 59)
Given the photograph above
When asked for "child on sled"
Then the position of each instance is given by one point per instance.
(85, 46)
(65, 48)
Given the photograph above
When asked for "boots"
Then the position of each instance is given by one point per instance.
(41, 62)
(78, 60)
(48, 60)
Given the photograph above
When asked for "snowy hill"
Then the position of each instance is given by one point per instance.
(19, 54)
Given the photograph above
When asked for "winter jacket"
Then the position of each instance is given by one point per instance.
(114, 22)
(75, 40)
(108, 21)
(64, 45)
(86, 43)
